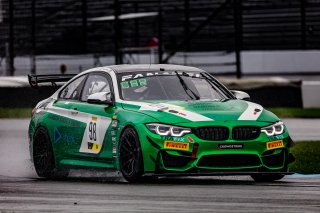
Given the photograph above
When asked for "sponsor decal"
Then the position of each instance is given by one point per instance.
(113, 133)
(114, 150)
(114, 139)
(190, 139)
(274, 144)
(93, 146)
(276, 137)
(64, 120)
(56, 135)
(134, 83)
(67, 138)
(180, 113)
(171, 138)
(252, 112)
(256, 111)
(229, 146)
(173, 111)
(114, 123)
(207, 106)
(147, 74)
(114, 117)
(176, 145)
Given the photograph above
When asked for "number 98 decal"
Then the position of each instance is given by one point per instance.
(93, 131)
(91, 142)
(93, 137)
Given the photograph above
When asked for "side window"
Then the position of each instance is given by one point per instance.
(72, 91)
(94, 84)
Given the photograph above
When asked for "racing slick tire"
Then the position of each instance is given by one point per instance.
(43, 157)
(266, 177)
(130, 156)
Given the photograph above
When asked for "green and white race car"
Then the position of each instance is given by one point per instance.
(154, 120)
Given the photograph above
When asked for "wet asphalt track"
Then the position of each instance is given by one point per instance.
(89, 191)
(295, 194)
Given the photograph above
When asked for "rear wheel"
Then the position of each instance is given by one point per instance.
(266, 177)
(130, 156)
(43, 157)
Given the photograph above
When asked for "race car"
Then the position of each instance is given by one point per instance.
(154, 120)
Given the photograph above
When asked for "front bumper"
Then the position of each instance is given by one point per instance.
(203, 157)
(224, 163)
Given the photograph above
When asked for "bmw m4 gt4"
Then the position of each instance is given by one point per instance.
(154, 120)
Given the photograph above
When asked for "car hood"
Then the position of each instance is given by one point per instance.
(175, 112)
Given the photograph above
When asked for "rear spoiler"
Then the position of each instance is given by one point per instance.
(34, 80)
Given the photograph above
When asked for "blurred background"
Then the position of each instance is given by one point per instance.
(234, 37)
(264, 47)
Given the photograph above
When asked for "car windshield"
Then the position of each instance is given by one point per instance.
(169, 86)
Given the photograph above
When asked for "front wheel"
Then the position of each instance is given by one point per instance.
(266, 177)
(130, 155)
(43, 157)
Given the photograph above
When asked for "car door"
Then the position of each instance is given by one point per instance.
(66, 129)
(96, 116)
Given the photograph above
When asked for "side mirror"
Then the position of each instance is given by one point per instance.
(241, 95)
(100, 98)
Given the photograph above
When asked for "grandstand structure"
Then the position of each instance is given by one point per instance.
(186, 28)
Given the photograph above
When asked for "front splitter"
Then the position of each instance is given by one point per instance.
(217, 173)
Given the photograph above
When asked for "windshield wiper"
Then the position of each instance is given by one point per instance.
(186, 88)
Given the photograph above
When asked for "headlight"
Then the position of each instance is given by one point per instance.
(167, 130)
(274, 129)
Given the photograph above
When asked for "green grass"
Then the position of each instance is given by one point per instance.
(288, 112)
(15, 112)
(307, 157)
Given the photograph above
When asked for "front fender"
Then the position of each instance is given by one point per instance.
(137, 120)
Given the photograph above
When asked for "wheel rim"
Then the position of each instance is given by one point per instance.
(129, 154)
(41, 155)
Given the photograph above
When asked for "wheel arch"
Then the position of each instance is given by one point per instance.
(139, 162)
(32, 140)
(47, 132)
(130, 125)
